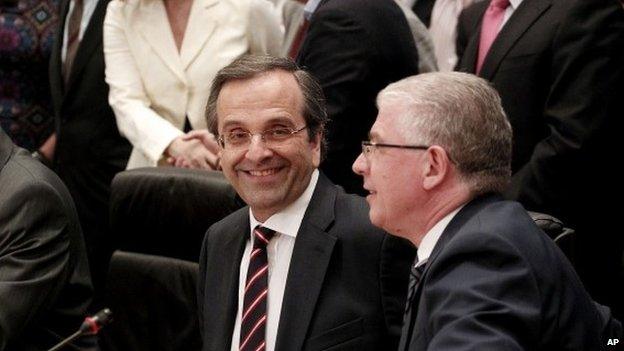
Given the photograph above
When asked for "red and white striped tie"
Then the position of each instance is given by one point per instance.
(253, 321)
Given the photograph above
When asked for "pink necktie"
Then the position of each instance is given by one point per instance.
(492, 21)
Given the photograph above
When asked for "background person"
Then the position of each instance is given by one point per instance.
(161, 56)
(45, 287)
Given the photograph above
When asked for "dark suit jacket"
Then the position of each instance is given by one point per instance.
(44, 276)
(423, 9)
(355, 48)
(346, 283)
(89, 150)
(495, 281)
(557, 65)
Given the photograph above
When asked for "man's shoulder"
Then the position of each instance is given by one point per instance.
(352, 220)
(31, 192)
(498, 229)
(363, 5)
(22, 172)
(229, 224)
(351, 205)
(366, 13)
(499, 219)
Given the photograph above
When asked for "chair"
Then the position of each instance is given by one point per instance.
(158, 218)
(154, 304)
(166, 211)
(554, 228)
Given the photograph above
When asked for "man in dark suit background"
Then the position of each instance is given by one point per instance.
(334, 281)
(485, 277)
(557, 65)
(87, 150)
(45, 287)
(354, 48)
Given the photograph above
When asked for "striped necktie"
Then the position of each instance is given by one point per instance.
(73, 38)
(253, 320)
(410, 312)
(415, 276)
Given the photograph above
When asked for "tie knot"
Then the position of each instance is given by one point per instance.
(262, 236)
(500, 4)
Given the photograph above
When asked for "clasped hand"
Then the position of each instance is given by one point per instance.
(195, 149)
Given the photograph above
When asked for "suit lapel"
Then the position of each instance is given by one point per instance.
(224, 305)
(454, 226)
(469, 58)
(201, 24)
(154, 28)
(56, 78)
(423, 9)
(301, 55)
(91, 40)
(310, 259)
(457, 223)
(521, 20)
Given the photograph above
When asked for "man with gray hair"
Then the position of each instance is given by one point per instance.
(485, 276)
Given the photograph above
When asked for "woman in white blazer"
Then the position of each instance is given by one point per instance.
(161, 57)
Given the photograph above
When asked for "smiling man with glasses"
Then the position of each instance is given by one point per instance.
(485, 276)
(300, 268)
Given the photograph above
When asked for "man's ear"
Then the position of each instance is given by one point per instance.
(315, 144)
(437, 167)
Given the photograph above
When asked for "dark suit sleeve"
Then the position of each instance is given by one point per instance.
(584, 102)
(461, 40)
(336, 56)
(34, 255)
(335, 53)
(397, 255)
(482, 296)
(463, 35)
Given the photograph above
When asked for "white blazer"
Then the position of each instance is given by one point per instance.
(153, 87)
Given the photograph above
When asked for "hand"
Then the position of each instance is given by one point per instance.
(48, 147)
(190, 153)
(207, 138)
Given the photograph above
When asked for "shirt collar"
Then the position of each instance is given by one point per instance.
(288, 220)
(431, 238)
(515, 3)
(309, 8)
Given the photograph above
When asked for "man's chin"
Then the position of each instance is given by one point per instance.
(262, 203)
(375, 219)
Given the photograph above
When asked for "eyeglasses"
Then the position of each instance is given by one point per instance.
(368, 147)
(241, 138)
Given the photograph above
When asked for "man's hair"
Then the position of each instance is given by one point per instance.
(250, 66)
(463, 114)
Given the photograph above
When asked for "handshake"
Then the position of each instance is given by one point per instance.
(195, 149)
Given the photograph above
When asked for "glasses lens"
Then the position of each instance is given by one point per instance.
(237, 138)
(277, 134)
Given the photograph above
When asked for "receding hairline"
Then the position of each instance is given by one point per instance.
(273, 73)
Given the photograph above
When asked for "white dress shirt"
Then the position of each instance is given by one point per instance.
(430, 239)
(286, 224)
(513, 5)
(87, 11)
(443, 30)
